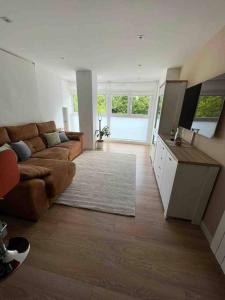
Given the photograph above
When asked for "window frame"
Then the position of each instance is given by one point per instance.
(129, 105)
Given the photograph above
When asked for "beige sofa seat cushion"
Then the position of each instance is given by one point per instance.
(74, 147)
(52, 153)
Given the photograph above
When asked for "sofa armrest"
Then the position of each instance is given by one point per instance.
(32, 171)
(27, 200)
(77, 136)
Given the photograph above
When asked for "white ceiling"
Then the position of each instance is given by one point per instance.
(101, 35)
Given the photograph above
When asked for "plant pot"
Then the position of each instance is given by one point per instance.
(99, 144)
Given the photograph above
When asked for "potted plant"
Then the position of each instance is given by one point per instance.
(100, 133)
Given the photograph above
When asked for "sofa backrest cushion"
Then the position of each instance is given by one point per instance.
(35, 144)
(4, 137)
(22, 132)
(46, 127)
(22, 150)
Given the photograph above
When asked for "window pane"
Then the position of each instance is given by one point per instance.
(140, 105)
(120, 104)
(75, 103)
(101, 103)
(74, 121)
(129, 128)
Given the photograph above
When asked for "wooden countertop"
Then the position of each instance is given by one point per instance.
(187, 153)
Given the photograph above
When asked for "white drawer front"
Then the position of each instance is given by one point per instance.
(168, 179)
(159, 161)
(218, 243)
(220, 254)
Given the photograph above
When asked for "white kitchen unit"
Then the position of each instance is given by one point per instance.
(218, 243)
(167, 115)
(185, 177)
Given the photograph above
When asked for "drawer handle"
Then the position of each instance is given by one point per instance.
(170, 158)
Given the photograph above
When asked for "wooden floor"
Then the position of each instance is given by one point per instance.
(81, 254)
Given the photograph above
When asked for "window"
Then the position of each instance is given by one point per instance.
(140, 105)
(101, 104)
(158, 111)
(120, 104)
(75, 103)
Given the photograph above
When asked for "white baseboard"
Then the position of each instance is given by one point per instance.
(206, 232)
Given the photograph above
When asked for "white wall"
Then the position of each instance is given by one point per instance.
(206, 63)
(68, 90)
(18, 91)
(50, 95)
(30, 93)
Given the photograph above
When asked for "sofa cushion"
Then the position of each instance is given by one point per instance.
(63, 137)
(55, 183)
(35, 144)
(28, 171)
(46, 127)
(53, 153)
(4, 137)
(52, 138)
(74, 148)
(22, 132)
(22, 150)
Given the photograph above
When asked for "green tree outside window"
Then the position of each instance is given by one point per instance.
(140, 105)
(75, 103)
(120, 104)
(101, 104)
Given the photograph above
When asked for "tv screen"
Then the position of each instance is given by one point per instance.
(203, 105)
(207, 115)
(189, 106)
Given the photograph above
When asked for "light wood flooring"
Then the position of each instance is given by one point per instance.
(81, 254)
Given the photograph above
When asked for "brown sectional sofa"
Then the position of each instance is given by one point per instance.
(34, 195)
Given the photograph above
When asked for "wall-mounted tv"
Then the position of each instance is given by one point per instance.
(203, 105)
(189, 106)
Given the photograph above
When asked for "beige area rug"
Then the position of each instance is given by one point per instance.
(104, 182)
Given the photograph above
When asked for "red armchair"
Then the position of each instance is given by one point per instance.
(17, 249)
(9, 172)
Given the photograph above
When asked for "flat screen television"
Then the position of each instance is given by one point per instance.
(189, 106)
(203, 105)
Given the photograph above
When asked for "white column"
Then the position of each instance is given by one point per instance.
(87, 105)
